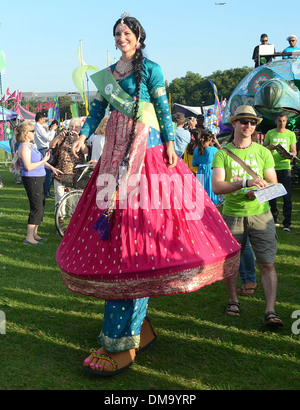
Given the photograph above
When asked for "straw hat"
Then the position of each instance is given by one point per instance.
(245, 111)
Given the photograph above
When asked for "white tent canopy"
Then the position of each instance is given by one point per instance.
(191, 111)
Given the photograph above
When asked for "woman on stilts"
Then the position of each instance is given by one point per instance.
(144, 226)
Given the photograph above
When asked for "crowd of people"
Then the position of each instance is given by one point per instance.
(42, 158)
(125, 250)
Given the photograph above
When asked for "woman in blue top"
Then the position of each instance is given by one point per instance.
(203, 158)
(33, 177)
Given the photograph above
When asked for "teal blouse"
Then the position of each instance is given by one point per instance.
(152, 90)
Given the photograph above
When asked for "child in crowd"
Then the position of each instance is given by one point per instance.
(202, 158)
(189, 151)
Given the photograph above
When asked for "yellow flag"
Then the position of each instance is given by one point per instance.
(80, 54)
(78, 77)
(79, 73)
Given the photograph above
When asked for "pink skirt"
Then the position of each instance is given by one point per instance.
(166, 238)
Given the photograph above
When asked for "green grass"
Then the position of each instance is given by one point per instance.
(50, 330)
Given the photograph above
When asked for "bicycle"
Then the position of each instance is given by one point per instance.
(74, 187)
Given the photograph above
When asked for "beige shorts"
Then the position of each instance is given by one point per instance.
(261, 231)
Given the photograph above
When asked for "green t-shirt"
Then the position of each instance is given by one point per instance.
(286, 139)
(259, 159)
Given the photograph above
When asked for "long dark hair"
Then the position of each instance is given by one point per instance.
(206, 136)
(136, 27)
(195, 140)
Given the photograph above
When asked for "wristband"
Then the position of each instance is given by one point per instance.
(247, 183)
(244, 183)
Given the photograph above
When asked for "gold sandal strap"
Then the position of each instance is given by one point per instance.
(104, 357)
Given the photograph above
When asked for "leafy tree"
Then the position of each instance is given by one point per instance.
(64, 107)
(194, 90)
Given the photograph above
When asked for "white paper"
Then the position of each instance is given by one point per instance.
(84, 165)
(270, 192)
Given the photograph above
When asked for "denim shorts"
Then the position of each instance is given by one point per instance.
(261, 231)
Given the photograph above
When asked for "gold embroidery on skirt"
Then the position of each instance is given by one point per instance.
(119, 345)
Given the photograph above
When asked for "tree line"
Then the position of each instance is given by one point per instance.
(64, 102)
(195, 90)
(191, 90)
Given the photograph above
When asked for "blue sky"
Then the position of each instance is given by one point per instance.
(40, 39)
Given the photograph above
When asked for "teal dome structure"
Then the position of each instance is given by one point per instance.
(270, 89)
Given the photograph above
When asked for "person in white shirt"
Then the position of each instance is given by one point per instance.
(42, 138)
(97, 140)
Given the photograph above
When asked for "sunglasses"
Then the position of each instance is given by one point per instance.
(31, 130)
(292, 41)
(246, 122)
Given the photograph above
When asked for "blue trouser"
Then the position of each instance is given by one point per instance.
(247, 265)
(284, 177)
(122, 324)
(48, 179)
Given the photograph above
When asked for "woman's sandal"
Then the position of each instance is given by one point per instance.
(88, 365)
(273, 323)
(148, 335)
(232, 312)
(244, 291)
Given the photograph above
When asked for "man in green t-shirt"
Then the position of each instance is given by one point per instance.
(281, 135)
(242, 212)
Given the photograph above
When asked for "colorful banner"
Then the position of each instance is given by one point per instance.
(217, 108)
(56, 109)
(74, 110)
(38, 108)
(50, 113)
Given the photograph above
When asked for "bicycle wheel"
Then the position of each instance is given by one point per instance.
(65, 209)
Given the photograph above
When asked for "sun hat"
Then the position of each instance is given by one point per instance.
(245, 111)
(292, 35)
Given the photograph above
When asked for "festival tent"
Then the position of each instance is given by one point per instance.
(194, 111)
(23, 113)
(191, 111)
(8, 115)
(5, 146)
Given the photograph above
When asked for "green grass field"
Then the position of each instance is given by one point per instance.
(50, 330)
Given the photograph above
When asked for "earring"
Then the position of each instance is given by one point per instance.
(138, 44)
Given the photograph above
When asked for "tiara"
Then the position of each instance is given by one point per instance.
(124, 15)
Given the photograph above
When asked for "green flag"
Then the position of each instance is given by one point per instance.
(2, 59)
(74, 110)
(78, 77)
